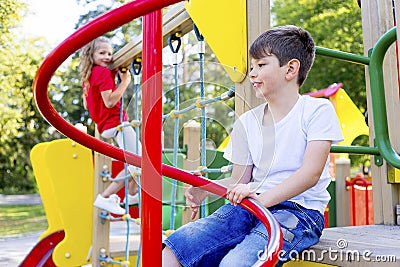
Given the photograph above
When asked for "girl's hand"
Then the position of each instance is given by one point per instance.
(125, 77)
(194, 197)
(237, 192)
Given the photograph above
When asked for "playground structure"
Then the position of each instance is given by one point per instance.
(386, 160)
(353, 125)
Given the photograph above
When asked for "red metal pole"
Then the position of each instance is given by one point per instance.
(151, 150)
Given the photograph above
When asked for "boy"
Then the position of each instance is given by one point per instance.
(280, 156)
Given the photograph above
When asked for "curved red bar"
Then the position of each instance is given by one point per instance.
(82, 36)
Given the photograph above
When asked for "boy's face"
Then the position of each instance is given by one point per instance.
(102, 56)
(267, 76)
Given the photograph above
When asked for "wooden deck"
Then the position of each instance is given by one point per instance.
(357, 246)
(118, 244)
(354, 246)
(118, 239)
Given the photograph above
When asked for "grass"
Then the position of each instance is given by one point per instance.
(20, 219)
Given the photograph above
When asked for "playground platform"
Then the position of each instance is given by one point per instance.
(356, 246)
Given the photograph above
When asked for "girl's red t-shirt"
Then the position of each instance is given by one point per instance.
(103, 79)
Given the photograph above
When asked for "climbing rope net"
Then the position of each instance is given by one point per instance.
(198, 104)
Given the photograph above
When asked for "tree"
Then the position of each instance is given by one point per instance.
(334, 24)
(21, 126)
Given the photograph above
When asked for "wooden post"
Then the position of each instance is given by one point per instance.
(191, 140)
(258, 17)
(377, 18)
(101, 227)
(342, 194)
(396, 106)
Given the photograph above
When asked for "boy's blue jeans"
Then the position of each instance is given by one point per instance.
(232, 236)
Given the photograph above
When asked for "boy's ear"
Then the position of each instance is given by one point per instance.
(293, 67)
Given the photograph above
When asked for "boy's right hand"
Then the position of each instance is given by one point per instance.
(194, 197)
(237, 192)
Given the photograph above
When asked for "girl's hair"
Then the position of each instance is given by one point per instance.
(86, 60)
(286, 43)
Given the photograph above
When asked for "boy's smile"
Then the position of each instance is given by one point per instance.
(266, 75)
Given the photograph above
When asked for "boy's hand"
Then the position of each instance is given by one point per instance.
(237, 192)
(194, 197)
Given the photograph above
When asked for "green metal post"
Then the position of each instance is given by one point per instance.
(382, 140)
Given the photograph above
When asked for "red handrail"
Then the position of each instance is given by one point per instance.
(99, 26)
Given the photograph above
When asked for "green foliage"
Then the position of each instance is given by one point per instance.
(334, 24)
(21, 126)
(95, 8)
(9, 14)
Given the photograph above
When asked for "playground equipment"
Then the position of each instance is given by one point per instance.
(378, 239)
(385, 155)
(71, 164)
(360, 184)
(353, 125)
(150, 162)
(351, 120)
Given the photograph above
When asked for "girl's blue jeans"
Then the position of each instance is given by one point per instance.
(232, 236)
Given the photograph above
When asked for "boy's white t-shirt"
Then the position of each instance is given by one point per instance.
(277, 151)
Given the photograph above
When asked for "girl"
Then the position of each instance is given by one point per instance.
(101, 97)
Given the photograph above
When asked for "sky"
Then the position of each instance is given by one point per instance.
(53, 19)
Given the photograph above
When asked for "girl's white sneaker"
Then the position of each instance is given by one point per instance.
(110, 204)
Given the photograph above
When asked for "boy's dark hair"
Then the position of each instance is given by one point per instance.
(286, 43)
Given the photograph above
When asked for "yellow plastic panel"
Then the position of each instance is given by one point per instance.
(224, 143)
(70, 166)
(351, 119)
(46, 190)
(393, 175)
(223, 24)
(397, 176)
